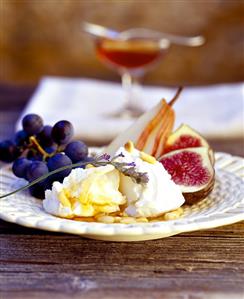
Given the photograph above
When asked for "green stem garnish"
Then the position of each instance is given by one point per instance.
(128, 169)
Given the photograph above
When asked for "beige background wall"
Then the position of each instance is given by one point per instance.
(40, 37)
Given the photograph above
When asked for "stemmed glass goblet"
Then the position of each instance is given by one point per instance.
(131, 53)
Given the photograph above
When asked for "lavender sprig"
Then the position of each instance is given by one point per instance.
(136, 176)
(128, 169)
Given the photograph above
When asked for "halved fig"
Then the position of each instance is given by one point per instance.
(192, 170)
(186, 137)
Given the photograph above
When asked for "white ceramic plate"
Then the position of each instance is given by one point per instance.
(224, 206)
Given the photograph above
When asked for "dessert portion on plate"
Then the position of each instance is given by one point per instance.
(134, 184)
(147, 173)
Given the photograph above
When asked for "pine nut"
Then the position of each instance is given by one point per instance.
(147, 158)
(117, 219)
(105, 219)
(129, 146)
(141, 219)
(174, 214)
(128, 220)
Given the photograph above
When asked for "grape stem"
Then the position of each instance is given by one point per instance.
(34, 141)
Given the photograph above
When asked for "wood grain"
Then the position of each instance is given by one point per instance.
(204, 261)
(197, 265)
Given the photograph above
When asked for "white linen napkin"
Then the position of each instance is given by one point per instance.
(215, 111)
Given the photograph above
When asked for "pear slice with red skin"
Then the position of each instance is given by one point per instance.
(186, 137)
(156, 138)
(147, 130)
(163, 134)
(158, 134)
(192, 170)
(145, 140)
(143, 131)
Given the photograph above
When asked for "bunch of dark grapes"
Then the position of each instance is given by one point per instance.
(38, 149)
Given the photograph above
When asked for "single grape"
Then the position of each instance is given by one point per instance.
(51, 149)
(76, 151)
(20, 166)
(21, 138)
(45, 136)
(62, 132)
(8, 151)
(32, 124)
(48, 183)
(57, 161)
(35, 170)
(38, 191)
(34, 155)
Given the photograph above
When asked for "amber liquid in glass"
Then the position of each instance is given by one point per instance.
(129, 54)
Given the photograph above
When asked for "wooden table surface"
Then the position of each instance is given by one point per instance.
(40, 264)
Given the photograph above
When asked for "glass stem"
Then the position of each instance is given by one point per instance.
(132, 89)
(127, 87)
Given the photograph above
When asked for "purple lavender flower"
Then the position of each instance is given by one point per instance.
(121, 155)
(105, 156)
(133, 164)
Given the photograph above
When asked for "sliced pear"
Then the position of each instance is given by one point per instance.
(150, 131)
(143, 129)
(151, 128)
(163, 134)
(155, 131)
